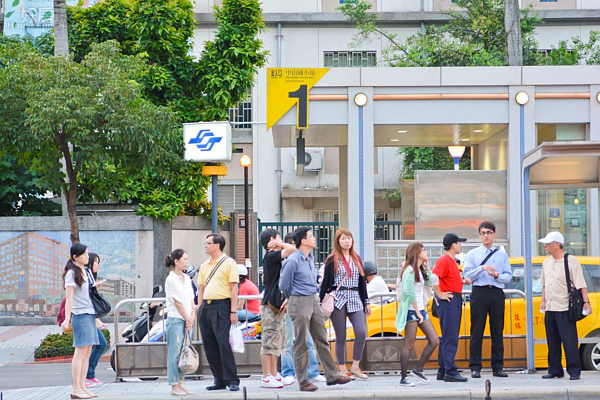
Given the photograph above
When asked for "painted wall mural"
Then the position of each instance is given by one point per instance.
(32, 17)
(32, 263)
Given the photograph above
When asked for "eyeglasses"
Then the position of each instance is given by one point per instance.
(486, 233)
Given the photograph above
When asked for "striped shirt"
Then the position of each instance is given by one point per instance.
(344, 296)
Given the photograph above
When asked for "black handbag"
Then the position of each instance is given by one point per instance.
(575, 312)
(101, 305)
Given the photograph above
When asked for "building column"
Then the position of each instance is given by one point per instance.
(521, 139)
(593, 203)
(343, 186)
(360, 173)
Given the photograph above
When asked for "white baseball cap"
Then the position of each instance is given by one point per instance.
(553, 237)
(242, 270)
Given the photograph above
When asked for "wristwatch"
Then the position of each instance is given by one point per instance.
(233, 312)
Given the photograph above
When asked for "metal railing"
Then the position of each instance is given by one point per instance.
(382, 350)
(388, 230)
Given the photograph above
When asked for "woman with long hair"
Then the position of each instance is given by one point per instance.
(412, 314)
(344, 267)
(180, 316)
(79, 310)
(90, 380)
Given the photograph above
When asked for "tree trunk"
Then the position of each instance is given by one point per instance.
(61, 35)
(70, 187)
(512, 26)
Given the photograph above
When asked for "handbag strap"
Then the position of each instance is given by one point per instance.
(488, 256)
(340, 285)
(567, 275)
(91, 280)
(215, 270)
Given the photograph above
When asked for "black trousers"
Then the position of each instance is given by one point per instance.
(450, 313)
(486, 301)
(561, 330)
(214, 327)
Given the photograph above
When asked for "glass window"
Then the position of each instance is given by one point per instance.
(564, 211)
(334, 59)
(343, 59)
(552, 132)
(592, 275)
(518, 281)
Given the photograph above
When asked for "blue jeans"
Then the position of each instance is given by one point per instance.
(97, 352)
(175, 336)
(287, 358)
(251, 317)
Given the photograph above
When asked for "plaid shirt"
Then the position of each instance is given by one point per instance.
(349, 297)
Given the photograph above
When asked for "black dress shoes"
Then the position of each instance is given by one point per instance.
(574, 377)
(216, 387)
(476, 374)
(234, 388)
(440, 377)
(552, 376)
(455, 378)
(500, 374)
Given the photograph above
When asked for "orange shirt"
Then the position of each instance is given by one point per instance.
(447, 270)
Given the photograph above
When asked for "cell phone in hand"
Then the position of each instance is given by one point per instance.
(100, 282)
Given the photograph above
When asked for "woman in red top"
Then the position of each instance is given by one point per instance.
(247, 287)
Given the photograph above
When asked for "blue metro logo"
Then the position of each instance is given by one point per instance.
(210, 142)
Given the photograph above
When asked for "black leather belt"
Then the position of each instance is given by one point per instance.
(487, 287)
(349, 288)
(210, 301)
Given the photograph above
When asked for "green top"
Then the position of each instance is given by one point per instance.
(409, 295)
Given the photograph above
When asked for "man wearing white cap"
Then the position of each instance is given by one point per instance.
(555, 303)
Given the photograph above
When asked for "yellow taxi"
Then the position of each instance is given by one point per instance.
(383, 318)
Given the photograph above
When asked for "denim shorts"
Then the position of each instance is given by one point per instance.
(84, 330)
(412, 315)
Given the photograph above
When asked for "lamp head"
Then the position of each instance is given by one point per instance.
(245, 161)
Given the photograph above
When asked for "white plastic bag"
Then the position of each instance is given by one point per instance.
(236, 339)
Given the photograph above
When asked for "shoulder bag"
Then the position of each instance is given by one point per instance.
(575, 298)
(328, 303)
(101, 305)
(189, 359)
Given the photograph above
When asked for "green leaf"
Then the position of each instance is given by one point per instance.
(47, 15)
(9, 14)
(16, 3)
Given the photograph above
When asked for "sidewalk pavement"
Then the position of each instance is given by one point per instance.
(18, 343)
(381, 387)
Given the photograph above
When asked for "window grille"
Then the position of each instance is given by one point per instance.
(337, 59)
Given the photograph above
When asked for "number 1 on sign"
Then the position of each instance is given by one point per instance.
(302, 95)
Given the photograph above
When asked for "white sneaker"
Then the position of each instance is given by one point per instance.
(287, 380)
(270, 383)
(319, 378)
(89, 384)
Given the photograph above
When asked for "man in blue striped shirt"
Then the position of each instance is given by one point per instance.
(489, 269)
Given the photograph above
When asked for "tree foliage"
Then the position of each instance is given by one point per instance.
(473, 37)
(92, 115)
(431, 158)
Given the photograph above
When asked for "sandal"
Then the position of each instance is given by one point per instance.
(79, 394)
(92, 395)
(176, 393)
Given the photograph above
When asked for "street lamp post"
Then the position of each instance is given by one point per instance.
(245, 162)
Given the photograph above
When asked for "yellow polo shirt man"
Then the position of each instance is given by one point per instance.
(218, 301)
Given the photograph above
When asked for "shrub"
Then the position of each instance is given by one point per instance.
(57, 345)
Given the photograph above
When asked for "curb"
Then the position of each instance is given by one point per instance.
(63, 359)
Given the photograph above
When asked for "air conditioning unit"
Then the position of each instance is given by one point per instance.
(313, 158)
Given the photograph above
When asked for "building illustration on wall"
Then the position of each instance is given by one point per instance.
(31, 267)
(32, 264)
